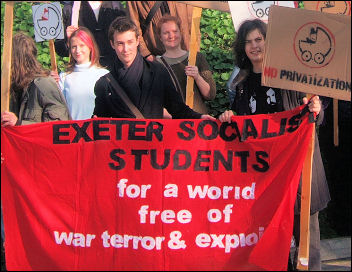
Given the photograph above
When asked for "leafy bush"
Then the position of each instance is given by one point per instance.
(217, 38)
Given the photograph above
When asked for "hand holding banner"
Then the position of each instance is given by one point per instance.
(163, 193)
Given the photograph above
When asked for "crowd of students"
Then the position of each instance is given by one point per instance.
(142, 73)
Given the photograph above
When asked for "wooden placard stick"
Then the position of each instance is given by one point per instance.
(75, 13)
(217, 5)
(336, 121)
(6, 57)
(52, 55)
(303, 251)
(193, 47)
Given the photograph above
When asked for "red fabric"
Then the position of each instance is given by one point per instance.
(50, 186)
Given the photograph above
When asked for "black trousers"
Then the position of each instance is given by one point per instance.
(314, 263)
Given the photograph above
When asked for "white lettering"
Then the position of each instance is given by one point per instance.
(248, 192)
(133, 190)
(76, 239)
(63, 236)
(171, 190)
(228, 241)
(215, 192)
(166, 216)
(214, 215)
(119, 241)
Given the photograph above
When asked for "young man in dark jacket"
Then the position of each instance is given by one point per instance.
(147, 84)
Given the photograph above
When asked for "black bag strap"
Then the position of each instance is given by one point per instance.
(150, 16)
(124, 97)
(173, 77)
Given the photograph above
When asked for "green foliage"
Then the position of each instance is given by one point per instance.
(301, 4)
(217, 38)
(23, 21)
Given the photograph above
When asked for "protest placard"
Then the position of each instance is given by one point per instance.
(335, 7)
(308, 51)
(47, 21)
(249, 10)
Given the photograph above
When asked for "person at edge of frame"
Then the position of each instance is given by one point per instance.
(253, 98)
(34, 95)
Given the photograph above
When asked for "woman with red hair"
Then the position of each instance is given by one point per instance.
(83, 70)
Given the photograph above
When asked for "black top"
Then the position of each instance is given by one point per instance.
(157, 92)
(286, 100)
(253, 98)
(262, 99)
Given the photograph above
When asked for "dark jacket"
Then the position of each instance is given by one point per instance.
(178, 68)
(109, 10)
(42, 101)
(158, 92)
(320, 195)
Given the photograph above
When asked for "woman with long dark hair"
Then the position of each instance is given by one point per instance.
(253, 98)
(34, 95)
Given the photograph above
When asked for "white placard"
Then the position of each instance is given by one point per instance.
(47, 20)
(248, 10)
(75, 13)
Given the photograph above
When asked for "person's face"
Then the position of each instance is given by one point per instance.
(254, 46)
(79, 50)
(126, 46)
(170, 35)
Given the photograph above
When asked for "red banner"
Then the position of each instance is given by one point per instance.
(126, 194)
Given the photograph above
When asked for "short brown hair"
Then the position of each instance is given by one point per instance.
(122, 24)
